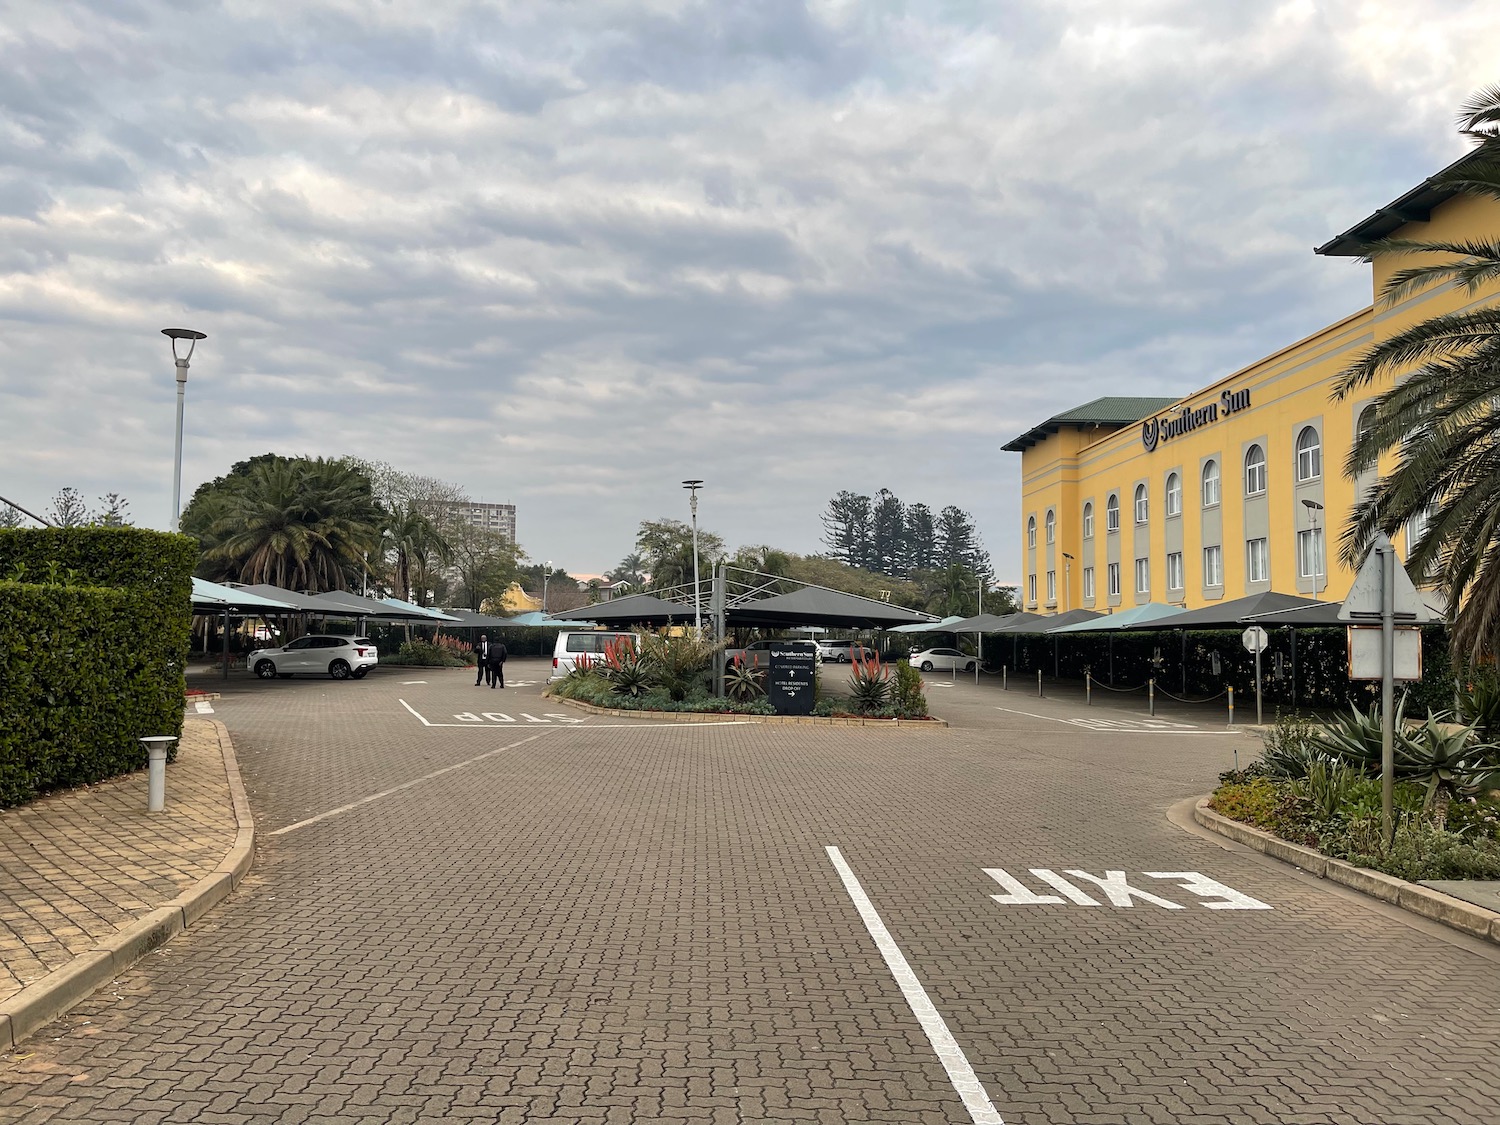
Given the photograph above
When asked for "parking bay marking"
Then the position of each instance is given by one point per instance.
(965, 1082)
(488, 720)
(1121, 726)
(1119, 892)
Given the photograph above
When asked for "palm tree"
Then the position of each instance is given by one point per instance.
(1442, 416)
(303, 524)
(420, 548)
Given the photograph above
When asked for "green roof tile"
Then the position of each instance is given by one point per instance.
(1102, 411)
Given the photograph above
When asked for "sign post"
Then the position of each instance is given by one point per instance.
(1255, 640)
(1383, 592)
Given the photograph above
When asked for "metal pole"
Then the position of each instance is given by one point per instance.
(1151, 696)
(1005, 677)
(1387, 690)
(1231, 706)
(182, 374)
(1184, 660)
(716, 608)
(226, 642)
(1039, 683)
(1088, 688)
(1258, 719)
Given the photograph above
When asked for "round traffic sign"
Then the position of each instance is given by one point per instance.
(1255, 639)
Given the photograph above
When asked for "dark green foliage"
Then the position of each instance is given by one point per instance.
(1291, 747)
(908, 694)
(426, 654)
(1478, 700)
(92, 662)
(743, 681)
(592, 687)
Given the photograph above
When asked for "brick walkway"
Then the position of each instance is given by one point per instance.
(79, 865)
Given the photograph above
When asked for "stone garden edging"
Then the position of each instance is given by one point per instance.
(770, 720)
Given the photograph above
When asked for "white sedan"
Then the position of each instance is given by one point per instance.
(328, 655)
(941, 660)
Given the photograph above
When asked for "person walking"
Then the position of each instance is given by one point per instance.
(483, 656)
(497, 667)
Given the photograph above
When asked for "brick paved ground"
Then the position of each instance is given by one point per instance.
(77, 866)
(616, 922)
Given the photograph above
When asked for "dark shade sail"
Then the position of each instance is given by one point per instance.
(814, 605)
(634, 609)
(1229, 615)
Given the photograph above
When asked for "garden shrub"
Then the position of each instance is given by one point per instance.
(909, 694)
(427, 654)
(93, 638)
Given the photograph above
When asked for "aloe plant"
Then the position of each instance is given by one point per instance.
(870, 685)
(744, 681)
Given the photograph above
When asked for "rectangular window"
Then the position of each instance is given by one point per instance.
(1174, 571)
(1052, 586)
(1088, 521)
(1088, 583)
(1310, 552)
(1112, 514)
(1113, 574)
(1142, 576)
(1213, 566)
(1257, 561)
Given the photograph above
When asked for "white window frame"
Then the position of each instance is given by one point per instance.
(1262, 557)
(1213, 566)
(1051, 524)
(1310, 550)
(1143, 576)
(1309, 456)
(1031, 531)
(1052, 587)
(1112, 513)
(1142, 504)
(1174, 494)
(1088, 583)
(1254, 470)
(1211, 483)
(1112, 572)
(1088, 520)
(1175, 579)
(1031, 589)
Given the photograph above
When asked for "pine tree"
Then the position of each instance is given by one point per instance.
(846, 528)
(888, 535)
(921, 538)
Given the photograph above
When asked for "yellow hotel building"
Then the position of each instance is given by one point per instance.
(1238, 488)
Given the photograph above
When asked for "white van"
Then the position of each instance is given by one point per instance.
(590, 644)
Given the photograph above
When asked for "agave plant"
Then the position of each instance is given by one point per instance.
(744, 681)
(870, 685)
(677, 664)
(1445, 757)
(1354, 738)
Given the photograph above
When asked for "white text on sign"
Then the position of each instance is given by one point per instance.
(1116, 890)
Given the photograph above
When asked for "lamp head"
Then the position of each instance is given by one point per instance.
(1312, 505)
(192, 337)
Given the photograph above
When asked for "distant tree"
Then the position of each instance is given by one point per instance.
(485, 563)
(422, 548)
(68, 508)
(631, 569)
(920, 538)
(10, 517)
(958, 541)
(667, 547)
(846, 528)
(113, 511)
(888, 548)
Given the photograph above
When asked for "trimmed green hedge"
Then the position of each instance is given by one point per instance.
(93, 637)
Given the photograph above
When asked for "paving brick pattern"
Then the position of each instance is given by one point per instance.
(77, 866)
(639, 924)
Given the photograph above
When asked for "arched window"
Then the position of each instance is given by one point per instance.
(1211, 484)
(1112, 513)
(1255, 471)
(1051, 526)
(1174, 495)
(1309, 454)
(1031, 532)
(1088, 520)
(1142, 506)
(1365, 423)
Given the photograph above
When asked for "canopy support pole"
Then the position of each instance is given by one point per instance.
(226, 642)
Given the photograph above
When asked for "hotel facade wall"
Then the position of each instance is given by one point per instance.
(1251, 497)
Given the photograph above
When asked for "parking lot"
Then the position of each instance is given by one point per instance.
(477, 904)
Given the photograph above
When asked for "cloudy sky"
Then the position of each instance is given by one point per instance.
(568, 254)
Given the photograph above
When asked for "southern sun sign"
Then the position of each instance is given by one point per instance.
(1165, 427)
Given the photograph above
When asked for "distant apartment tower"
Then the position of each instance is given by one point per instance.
(491, 517)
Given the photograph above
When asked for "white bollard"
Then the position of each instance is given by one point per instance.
(157, 746)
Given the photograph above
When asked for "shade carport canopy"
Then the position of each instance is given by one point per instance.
(817, 605)
(1229, 615)
(981, 623)
(635, 609)
(212, 596)
(1112, 622)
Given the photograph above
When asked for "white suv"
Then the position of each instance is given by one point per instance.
(339, 657)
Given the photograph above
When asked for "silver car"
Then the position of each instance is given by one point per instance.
(342, 658)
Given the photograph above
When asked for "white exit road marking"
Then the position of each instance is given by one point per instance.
(965, 1082)
(1116, 888)
(487, 720)
(408, 683)
(204, 707)
(1121, 726)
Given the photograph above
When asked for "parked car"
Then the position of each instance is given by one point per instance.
(941, 660)
(316, 655)
(589, 643)
(760, 651)
(844, 651)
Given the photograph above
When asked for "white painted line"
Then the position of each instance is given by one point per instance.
(204, 707)
(404, 785)
(408, 683)
(1083, 724)
(581, 723)
(949, 1053)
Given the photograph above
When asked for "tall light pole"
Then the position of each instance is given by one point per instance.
(175, 334)
(546, 574)
(1313, 508)
(692, 486)
(1067, 581)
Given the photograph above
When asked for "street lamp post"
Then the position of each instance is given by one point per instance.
(175, 334)
(1313, 508)
(1067, 581)
(546, 574)
(692, 486)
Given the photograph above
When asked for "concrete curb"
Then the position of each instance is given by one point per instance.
(1473, 920)
(44, 1000)
(769, 720)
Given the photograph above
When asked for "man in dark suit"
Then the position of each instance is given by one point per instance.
(484, 671)
(497, 663)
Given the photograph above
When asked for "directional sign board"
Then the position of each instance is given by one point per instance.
(1364, 602)
(1255, 639)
